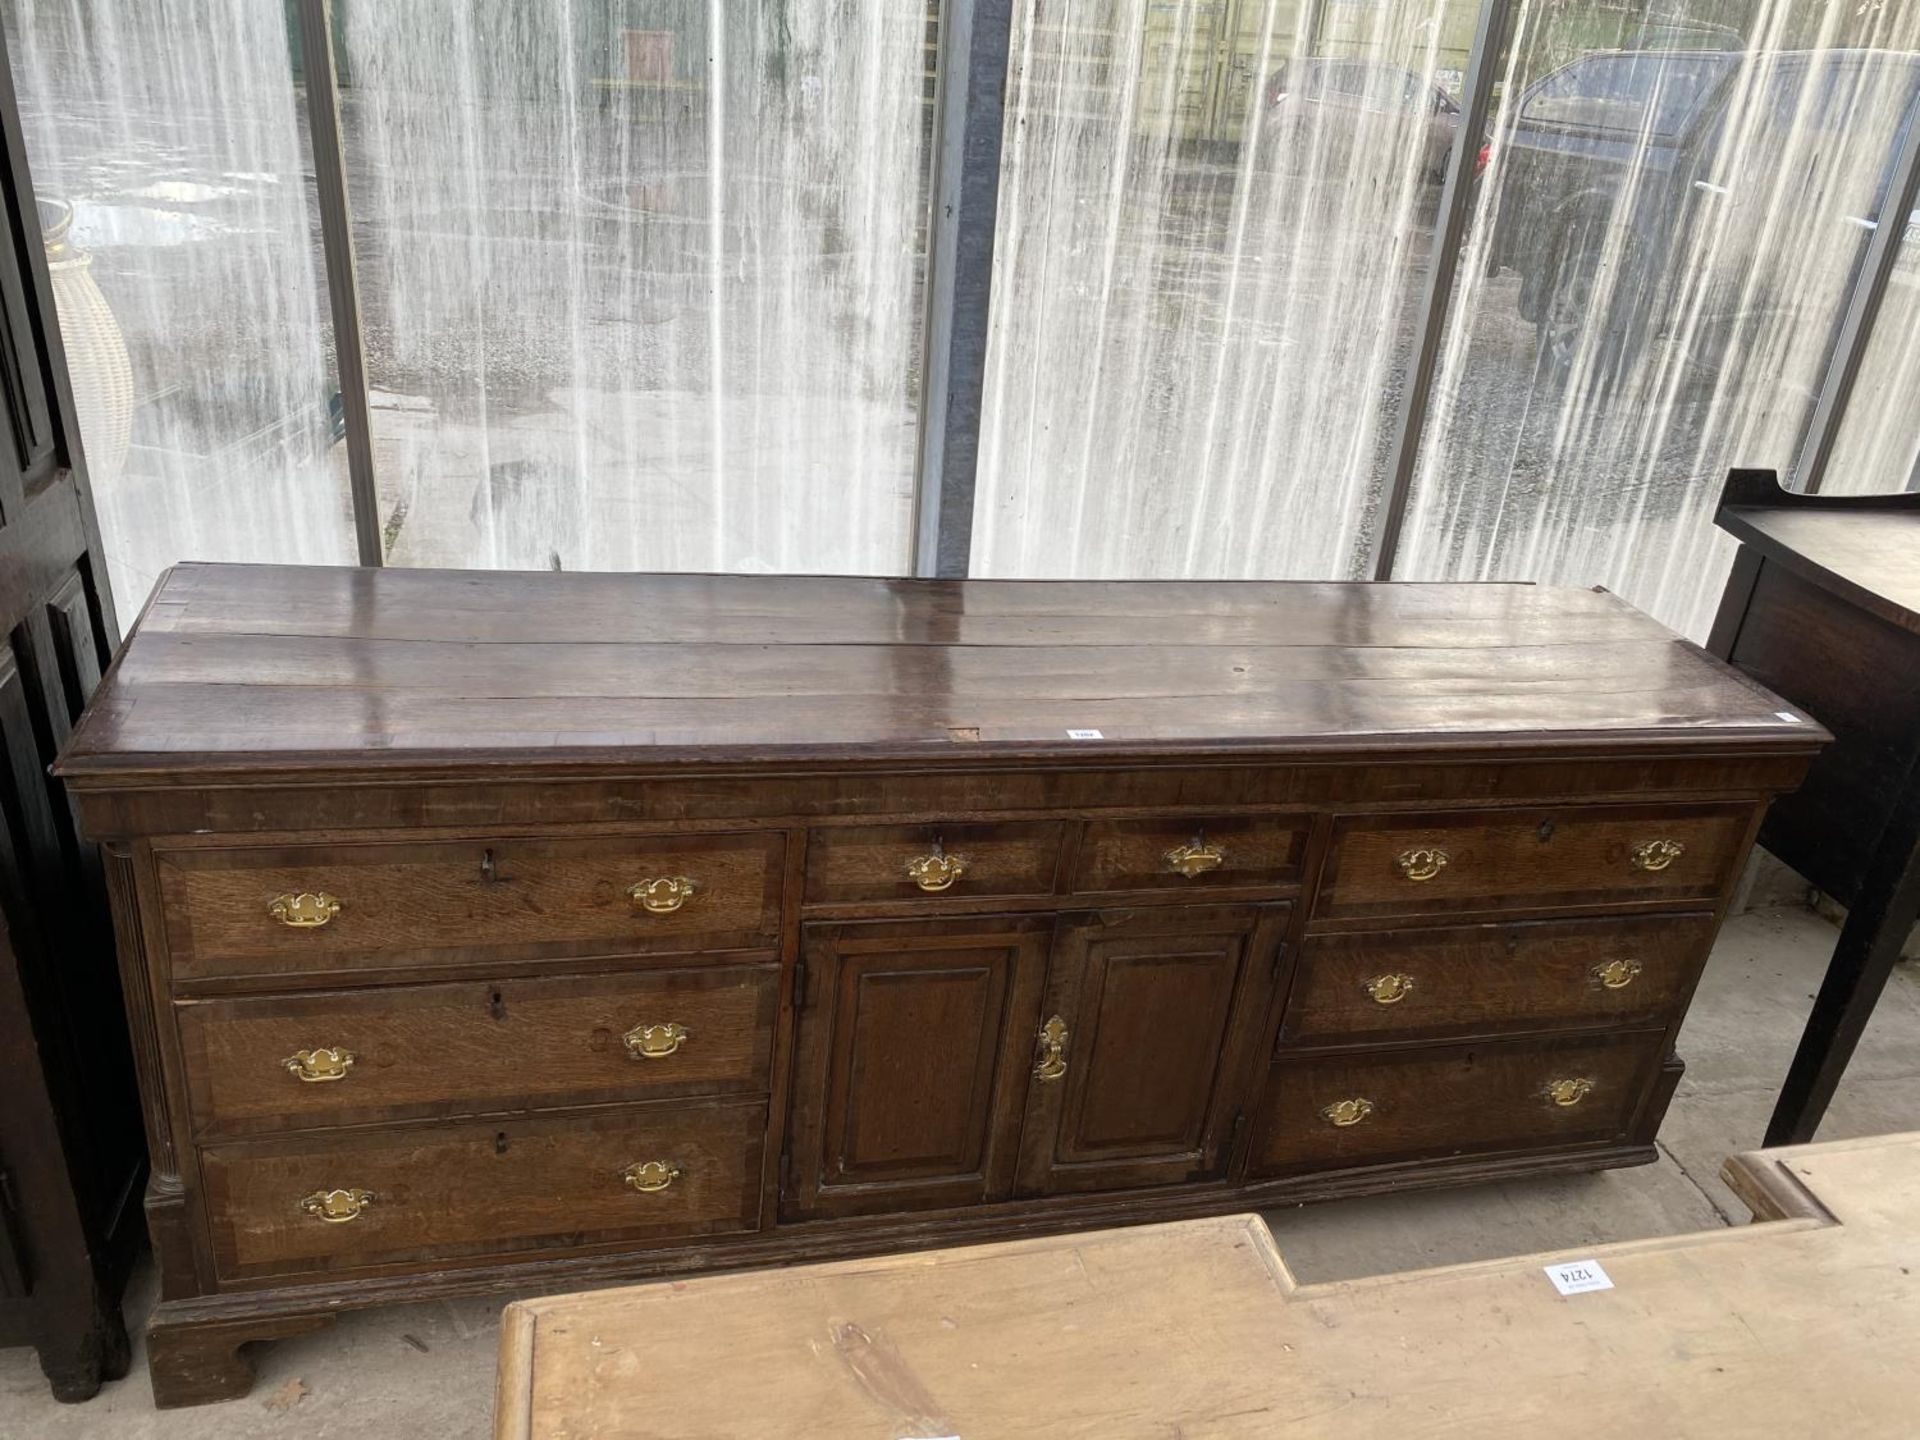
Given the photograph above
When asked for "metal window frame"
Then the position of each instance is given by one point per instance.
(963, 201)
(969, 116)
(1863, 309)
(343, 290)
(1443, 267)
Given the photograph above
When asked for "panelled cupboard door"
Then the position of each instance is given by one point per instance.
(911, 1055)
(1149, 1043)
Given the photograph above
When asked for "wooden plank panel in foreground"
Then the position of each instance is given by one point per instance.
(1806, 1324)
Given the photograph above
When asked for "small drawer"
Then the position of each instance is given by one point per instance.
(298, 908)
(438, 1193)
(852, 864)
(413, 1051)
(1483, 979)
(1384, 865)
(1386, 1105)
(1189, 854)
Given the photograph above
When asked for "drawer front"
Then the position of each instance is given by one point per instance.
(481, 1188)
(1375, 1107)
(1189, 854)
(1526, 859)
(287, 909)
(1385, 985)
(407, 1051)
(861, 863)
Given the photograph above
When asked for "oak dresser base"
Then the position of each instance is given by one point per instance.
(504, 932)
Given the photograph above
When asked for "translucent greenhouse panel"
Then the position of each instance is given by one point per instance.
(1214, 221)
(641, 279)
(1878, 448)
(1660, 256)
(167, 144)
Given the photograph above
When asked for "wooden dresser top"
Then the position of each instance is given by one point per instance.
(237, 667)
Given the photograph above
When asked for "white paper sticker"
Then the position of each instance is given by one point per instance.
(1788, 716)
(1085, 735)
(1576, 1277)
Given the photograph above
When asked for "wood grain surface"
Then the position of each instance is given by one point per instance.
(475, 1046)
(481, 1187)
(306, 665)
(1805, 1325)
(1484, 979)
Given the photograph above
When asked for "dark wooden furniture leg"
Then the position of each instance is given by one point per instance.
(1870, 943)
(83, 1346)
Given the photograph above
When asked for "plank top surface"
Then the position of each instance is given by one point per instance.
(277, 666)
(1871, 554)
(1804, 1325)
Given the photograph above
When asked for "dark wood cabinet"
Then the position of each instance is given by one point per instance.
(1151, 1019)
(72, 1156)
(912, 1046)
(807, 917)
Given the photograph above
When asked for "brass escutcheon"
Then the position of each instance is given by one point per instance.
(650, 1176)
(662, 896)
(1343, 1113)
(1388, 989)
(1052, 1063)
(336, 1207)
(1422, 863)
(1657, 854)
(654, 1042)
(319, 1065)
(1569, 1092)
(308, 910)
(1195, 858)
(1615, 974)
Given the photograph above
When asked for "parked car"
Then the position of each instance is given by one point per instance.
(1326, 104)
(1617, 159)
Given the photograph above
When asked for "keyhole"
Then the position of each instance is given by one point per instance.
(497, 1005)
(1546, 831)
(500, 1143)
(486, 867)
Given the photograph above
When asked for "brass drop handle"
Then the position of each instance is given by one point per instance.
(1569, 1092)
(654, 1042)
(308, 910)
(1615, 974)
(1343, 1113)
(1422, 863)
(936, 870)
(662, 895)
(1656, 854)
(1388, 989)
(1052, 1063)
(336, 1207)
(320, 1065)
(1195, 858)
(650, 1177)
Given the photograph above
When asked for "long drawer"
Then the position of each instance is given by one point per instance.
(1392, 865)
(305, 908)
(405, 1051)
(1378, 1106)
(1383, 985)
(431, 1193)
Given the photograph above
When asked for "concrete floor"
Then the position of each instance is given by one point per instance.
(427, 1371)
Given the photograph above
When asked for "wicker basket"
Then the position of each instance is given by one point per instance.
(96, 351)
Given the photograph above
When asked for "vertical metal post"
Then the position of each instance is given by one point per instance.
(1443, 264)
(1863, 305)
(336, 239)
(969, 104)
